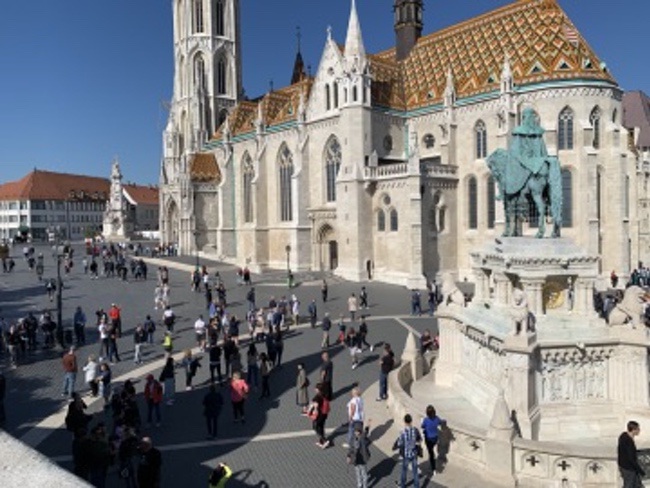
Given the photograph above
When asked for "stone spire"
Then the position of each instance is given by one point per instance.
(299, 64)
(408, 26)
(450, 90)
(501, 426)
(355, 51)
(507, 79)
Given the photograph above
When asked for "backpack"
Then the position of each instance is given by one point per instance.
(325, 406)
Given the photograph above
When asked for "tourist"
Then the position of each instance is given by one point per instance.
(356, 414)
(318, 411)
(628, 460)
(324, 291)
(359, 454)
(253, 370)
(340, 325)
(91, 371)
(363, 334)
(416, 308)
(115, 314)
(76, 417)
(149, 466)
(212, 406)
(265, 373)
(158, 298)
(191, 365)
(220, 476)
(200, 331)
(168, 343)
(167, 377)
(426, 342)
(352, 342)
(69, 362)
(408, 444)
(238, 394)
(99, 456)
(312, 311)
(302, 389)
(127, 452)
(81, 453)
(79, 322)
(353, 306)
(430, 426)
(386, 364)
(363, 298)
(326, 373)
(613, 278)
(432, 299)
(153, 395)
(250, 299)
(113, 334)
(215, 361)
(104, 380)
(326, 325)
(139, 339)
(278, 344)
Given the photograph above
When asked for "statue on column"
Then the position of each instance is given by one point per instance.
(526, 170)
(115, 213)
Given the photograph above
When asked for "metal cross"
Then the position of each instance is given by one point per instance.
(595, 467)
(533, 460)
(564, 465)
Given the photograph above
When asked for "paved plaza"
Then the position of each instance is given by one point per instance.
(276, 447)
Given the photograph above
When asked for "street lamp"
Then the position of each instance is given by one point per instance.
(196, 247)
(58, 254)
(288, 251)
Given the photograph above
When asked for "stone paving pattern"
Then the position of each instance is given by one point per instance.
(282, 452)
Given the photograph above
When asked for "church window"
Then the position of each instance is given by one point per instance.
(614, 116)
(626, 198)
(472, 203)
(285, 161)
(221, 77)
(328, 98)
(490, 202)
(223, 115)
(442, 213)
(567, 198)
(381, 220)
(199, 72)
(335, 89)
(393, 220)
(332, 165)
(480, 133)
(249, 175)
(197, 14)
(355, 93)
(594, 118)
(219, 18)
(565, 129)
(429, 141)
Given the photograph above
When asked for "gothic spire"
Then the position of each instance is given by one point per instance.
(299, 64)
(354, 47)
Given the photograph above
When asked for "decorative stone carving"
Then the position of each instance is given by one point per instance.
(519, 312)
(569, 375)
(452, 296)
(630, 309)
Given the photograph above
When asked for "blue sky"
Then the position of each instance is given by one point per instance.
(83, 80)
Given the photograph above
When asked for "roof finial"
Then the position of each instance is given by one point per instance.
(354, 47)
(329, 32)
(298, 36)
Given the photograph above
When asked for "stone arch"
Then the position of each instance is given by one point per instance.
(327, 247)
(172, 222)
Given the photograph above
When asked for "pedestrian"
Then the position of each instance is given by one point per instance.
(76, 417)
(356, 415)
(430, 426)
(432, 299)
(302, 389)
(126, 454)
(408, 444)
(215, 361)
(191, 365)
(200, 331)
(79, 322)
(340, 325)
(386, 364)
(313, 313)
(326, 373)
(359, 455)
(323, 291)
(363, 298)
(169, 318)
(167, 377)
(318, 411)
(69, 362)
(212, 406)
(295, 310)
(220, 476)
(278, 343)
(104, 379)
(628, 459)
(115, 314)
(265, 373)
(113, 334)
(149, 327)
(426, 342)
(353, 306)
(326, 325)
(416, 308)
(363, 335)
(253, 370)
(153, 395)
(250, 299)
(149, 466)
(139, 339)
(352, 342)
(91, 370)
(168, 343)
(238, 394)
(100, 456)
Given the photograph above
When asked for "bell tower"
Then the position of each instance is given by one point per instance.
(408, 25)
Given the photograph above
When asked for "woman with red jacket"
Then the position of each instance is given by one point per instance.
(153, 395)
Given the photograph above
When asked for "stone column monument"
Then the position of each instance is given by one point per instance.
(115, 218)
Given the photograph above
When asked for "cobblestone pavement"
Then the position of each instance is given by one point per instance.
(276, 445)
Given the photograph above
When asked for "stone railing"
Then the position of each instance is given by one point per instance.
(436, 170)
(385, 172)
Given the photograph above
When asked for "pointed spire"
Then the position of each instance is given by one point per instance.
(226, 129)
(507, 79)
(302, 108)
(450, 90)
(298, 65)
(354, 47)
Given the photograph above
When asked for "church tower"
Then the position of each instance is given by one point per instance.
(207, 85)
(408, 25)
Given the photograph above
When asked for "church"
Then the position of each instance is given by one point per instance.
(374, 167)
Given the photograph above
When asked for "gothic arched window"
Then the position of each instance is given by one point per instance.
(335, 89)
(429, 141)
(490, 202)
(248, 176)
(381, 220)
(594, 119)
(197, 16)
(332, 165)
(328, 97)
(565, 129)
(472, 203)
(285, 163)
(393, 220)
(199, 71)
(480, 133)
(567, 198)
(219, 18)
(221, 77)
(223, 115)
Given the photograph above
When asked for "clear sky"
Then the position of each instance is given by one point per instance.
(83, 80)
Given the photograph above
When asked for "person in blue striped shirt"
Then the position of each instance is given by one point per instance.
(408, 444)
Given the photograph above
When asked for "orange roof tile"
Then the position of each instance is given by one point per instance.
(142, 195)
(204, 168)
(48, 185)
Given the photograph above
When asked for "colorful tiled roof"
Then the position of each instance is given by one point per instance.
(141, 195)
(540, 40)
(48, 185)
(204, 168)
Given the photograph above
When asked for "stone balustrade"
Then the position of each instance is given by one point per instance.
(386, 172)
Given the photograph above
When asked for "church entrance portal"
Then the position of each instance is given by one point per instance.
(328, 248)
(334, 255)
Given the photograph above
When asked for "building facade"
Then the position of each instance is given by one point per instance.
(375, 166)
(75, 203)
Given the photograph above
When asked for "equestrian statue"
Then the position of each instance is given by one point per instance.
(526, 170)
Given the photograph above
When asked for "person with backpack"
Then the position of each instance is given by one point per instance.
(169, 318)
(318, 411)
(408, 444)
(153, 395)
(326, 325)
(359, 454)
(149, 327)
(386, 364)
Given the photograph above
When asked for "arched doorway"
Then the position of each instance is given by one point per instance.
(172, 223)
(328, 248)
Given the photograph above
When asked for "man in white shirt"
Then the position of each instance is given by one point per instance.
(356, 414)
(199, 329)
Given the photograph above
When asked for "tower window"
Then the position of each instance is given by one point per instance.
(565, 129)
(221, 77)
(594, 118)
(335, 89)
(472, 204)
(328, 97)
(197, 14)
(219, 18)
(285, 160)
(480, 133)
(332, 165)
(490, 202)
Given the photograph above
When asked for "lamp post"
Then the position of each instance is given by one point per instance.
(57, 254)
(288, 251)
(196, 247)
